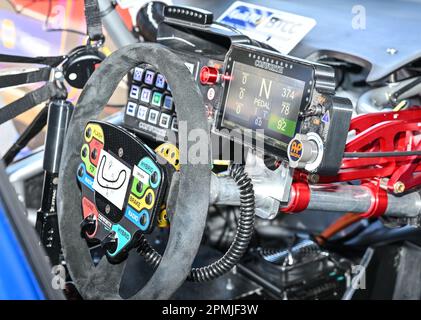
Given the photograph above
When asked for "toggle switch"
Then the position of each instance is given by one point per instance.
(209, 75)
(88, 225)
(110, 242)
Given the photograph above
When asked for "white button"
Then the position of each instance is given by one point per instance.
(146, 95)
(149, 77)
(153, 116)
(131, 109)
(174, 125)
(134, 92)
(160, 81)
(137, 74)
(165, 120)
(141, 113)
(211, 94)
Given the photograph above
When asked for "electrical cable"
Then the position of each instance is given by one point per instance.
(239, 245)
(338, 225)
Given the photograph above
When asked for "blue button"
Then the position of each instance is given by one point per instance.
(160, 81)
(84, 178)
(149, 76)
(134, 92)
(136, 217)
(168, 102)
(131, 108)
(123, 238)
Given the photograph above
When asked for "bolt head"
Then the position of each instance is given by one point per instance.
(399, 187)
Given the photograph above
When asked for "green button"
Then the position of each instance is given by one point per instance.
(157, 99)
(84, 153)
(138, 191)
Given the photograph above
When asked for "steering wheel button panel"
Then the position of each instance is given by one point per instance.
(123, 189)
(152, 113)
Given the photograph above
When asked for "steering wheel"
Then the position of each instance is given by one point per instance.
(188, 221)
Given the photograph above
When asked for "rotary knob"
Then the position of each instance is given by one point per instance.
(305, 151)
(209, 75)
(110, 242)
(88, 225)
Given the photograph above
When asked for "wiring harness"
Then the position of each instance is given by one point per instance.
(239, 245)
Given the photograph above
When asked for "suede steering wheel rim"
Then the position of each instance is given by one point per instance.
(189, 219)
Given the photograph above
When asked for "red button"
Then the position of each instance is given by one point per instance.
(209, 75)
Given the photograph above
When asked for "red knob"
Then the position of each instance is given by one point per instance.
(209, 75)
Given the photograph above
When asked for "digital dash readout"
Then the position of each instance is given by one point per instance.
(261, 99)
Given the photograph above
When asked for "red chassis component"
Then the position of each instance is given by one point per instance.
(384, 132)
(378, 132)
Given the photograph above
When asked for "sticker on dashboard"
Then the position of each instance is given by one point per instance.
(279, 29)
(112, 179)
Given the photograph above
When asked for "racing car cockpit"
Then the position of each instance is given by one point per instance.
(224, 143)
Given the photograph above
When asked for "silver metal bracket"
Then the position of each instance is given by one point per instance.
(271, 187)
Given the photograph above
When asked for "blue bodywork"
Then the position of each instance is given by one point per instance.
(17, 280)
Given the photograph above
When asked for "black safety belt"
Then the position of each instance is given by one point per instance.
(51, 89)
(30, 100)
(93, 21)
(11, 80)
(47, 61)
(33, 129)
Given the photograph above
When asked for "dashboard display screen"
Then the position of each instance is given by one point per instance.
(262, 99)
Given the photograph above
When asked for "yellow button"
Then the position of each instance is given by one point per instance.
(94, 130)
(140, 204)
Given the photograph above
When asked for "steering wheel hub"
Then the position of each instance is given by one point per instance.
(189, 218)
